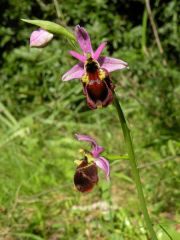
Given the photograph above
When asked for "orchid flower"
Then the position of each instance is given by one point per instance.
(40, 38)
(93, 70)
(86, 175)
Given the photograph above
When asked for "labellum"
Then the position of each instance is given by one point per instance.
(86, 176)
(97, 85)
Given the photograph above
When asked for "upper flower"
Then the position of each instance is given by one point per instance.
(86, 175)
(40, 38)
(93, 70)
(108, 63)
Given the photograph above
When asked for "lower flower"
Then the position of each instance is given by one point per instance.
(86, 175)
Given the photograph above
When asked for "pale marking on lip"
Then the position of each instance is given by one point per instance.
(92, 81)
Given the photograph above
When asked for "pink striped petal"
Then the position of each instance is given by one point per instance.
(78, 56)
(96, 149)
(83, 39)
(75, 72)
(103, 163)
(112, 64)
(99, 50)
(86, 138)
(40, 38)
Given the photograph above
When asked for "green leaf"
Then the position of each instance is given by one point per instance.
(116, 157)
(52, 27)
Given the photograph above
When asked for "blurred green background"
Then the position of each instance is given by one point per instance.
(39, 115)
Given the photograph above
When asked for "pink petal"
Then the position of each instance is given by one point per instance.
(96, 149)
(86, 138)
(103, 163)
(112, 64)
(40, 38)
(78, 56)
(75, 72)
(83, 39)
(99, 50)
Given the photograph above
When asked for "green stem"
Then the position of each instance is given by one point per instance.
(134, 169)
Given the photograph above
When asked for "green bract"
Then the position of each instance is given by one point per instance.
(52, 28)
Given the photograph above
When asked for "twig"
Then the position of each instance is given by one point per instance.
(42, 5)
(144, 29)
(156, 35)
(59, 13)
(57, 8)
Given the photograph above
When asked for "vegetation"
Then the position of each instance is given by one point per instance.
(39, 115)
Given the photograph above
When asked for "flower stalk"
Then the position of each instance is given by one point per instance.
(134, 169)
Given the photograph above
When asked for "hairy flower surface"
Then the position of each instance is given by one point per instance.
(86, 175)
(40, 38)
(93, 70)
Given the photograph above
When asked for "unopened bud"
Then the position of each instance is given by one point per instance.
(40, 38)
